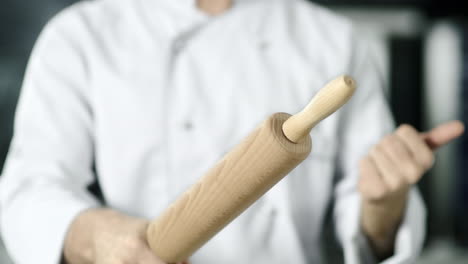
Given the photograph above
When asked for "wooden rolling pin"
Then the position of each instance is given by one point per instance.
(275, 148)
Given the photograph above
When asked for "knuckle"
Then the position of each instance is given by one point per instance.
(388, 140)
(405, 129)
(370, 192)
(413, 172)
(396, 184)
(427, 160)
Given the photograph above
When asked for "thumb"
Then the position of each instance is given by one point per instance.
(443, 134)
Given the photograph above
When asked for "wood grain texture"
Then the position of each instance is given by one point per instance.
(275, 148)
(224, 192)
(330, 98)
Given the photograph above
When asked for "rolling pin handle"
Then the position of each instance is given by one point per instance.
(329, 99)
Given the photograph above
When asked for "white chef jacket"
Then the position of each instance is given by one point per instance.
(146, 95)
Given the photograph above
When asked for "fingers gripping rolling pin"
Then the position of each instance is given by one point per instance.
(270, 152)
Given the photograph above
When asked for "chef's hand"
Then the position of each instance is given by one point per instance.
(387, 173)
(105, 236)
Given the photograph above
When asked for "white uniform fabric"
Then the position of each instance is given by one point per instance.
(151, 93)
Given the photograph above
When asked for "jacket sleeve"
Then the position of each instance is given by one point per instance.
(49, 164)
(365, 120)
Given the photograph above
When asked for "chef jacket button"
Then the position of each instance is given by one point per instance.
(188, 126)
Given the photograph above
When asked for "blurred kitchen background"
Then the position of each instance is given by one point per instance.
(422, 49)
